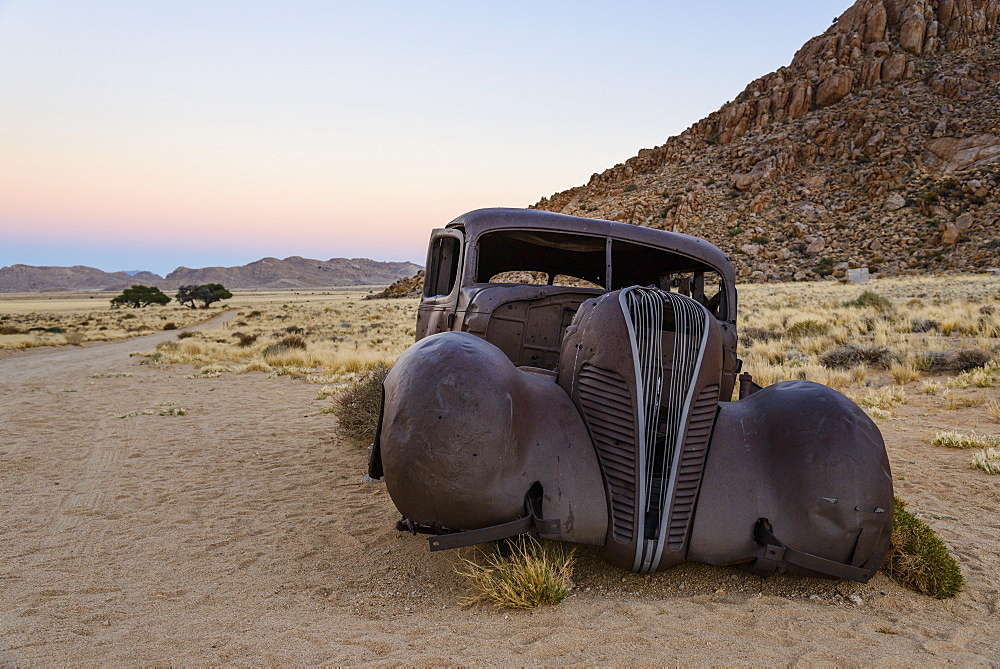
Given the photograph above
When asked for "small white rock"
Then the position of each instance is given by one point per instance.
(855, 598)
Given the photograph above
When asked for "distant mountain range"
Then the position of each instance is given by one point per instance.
(265, 274)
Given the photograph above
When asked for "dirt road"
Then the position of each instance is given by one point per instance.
(241, 533)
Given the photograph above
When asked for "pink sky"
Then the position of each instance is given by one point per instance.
(147, 135)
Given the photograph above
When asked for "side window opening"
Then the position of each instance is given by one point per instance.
(542, 258)
(442, 270)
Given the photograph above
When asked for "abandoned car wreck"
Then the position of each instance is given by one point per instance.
(572, 378)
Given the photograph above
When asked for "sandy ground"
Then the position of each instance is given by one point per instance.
(241, 533)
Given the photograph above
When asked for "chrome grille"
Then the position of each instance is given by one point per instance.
(607, 408)
(665, 398)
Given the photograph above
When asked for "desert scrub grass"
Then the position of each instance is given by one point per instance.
(953, 400)
(902, 373)
(993, 410)
(531, 573)
(806, 328)
(987, 460)
(358, 407)
(919, 559)
(869, 299)
(878, 414)
(59, 320)
(881, 398)
(931, 387)
(987, 376)
(960, 440)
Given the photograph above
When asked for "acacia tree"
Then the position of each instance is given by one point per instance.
(206, 294)
(139, 296)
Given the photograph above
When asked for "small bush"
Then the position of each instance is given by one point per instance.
(968, 359)
(294, 329)
(74, 338)
(274, 349)
(753, 335)
(919, 559)
(987, 460)
(245, 340)
(186, 334)
(845, 357)
(933, 361)
(920, 325)
(825, 266)
(10, 330)
(358, 407)
(870, 299)
(806, 328)
(55, 330)
(534, 573)
(293, 341)
(170, 326)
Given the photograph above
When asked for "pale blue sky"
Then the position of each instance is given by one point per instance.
(149, 134)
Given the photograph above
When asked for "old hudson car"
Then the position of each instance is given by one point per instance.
(573, 378)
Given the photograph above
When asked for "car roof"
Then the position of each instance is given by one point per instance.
(482, 221)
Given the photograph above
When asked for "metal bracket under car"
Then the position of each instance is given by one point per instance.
(530, 524)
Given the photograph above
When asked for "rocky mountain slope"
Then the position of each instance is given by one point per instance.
(878, 147)
(265, 274)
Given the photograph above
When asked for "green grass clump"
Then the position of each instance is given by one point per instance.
(532, 573)
(988, 460)
(870, 299)
(358, 407)
(919, 559)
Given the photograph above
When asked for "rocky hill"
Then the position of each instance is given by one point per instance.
(411, 286)
(31, 279)
(878, 147)
(265, 274)
(296, 272)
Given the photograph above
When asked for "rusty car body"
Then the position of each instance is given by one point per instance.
(573, 378)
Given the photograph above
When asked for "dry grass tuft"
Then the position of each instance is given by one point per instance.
(358, 407)
(959, 440)
(919, 559)
(878, 414)
(902, 373)
(532, 573)
(987, 460)
(869, 299)
(881, 398)
(953, 400)
(993, 409)
(931, 387)
(987, 376)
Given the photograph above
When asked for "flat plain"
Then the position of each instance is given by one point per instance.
(194, 503)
